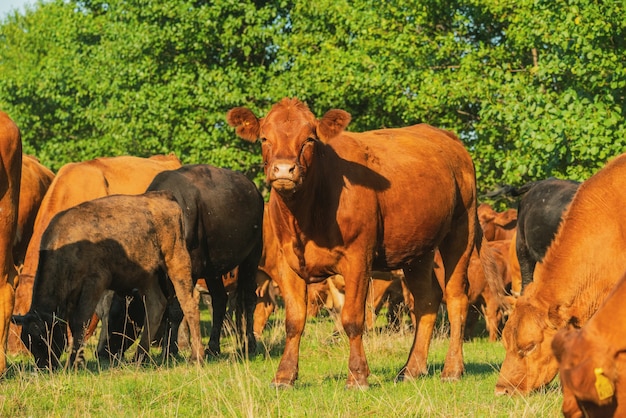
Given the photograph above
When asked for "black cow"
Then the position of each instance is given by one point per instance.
(123, 243)
(223, 218)
(538, 217)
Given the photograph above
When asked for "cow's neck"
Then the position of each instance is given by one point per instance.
(605, 326)
(312, 209)
(305, 223)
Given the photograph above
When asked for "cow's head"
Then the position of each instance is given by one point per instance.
(289, 134)
(527, 336)
(45, 336)
(588, 373)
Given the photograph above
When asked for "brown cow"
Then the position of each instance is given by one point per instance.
(592, 362)
(10, 175)
(79, 182)
(496, 225)
(36, 180)
(128, 244)
(581, 266)
(488, 277)
(347, 203)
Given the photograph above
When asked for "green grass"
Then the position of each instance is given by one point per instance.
(233, 387)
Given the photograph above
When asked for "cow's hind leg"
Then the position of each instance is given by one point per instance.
(456, 250)
(427, 294)
(219, 301)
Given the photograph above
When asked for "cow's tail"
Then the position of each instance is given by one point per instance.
(510, 191)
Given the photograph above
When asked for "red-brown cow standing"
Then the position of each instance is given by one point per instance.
(581, 266)
(345, 203)
(10, 175)
(592, 362)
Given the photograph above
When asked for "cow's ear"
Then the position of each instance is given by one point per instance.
(332, 124)
(246, 123)
(555, 320)
(561, 341)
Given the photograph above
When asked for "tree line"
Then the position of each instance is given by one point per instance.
(535, 88)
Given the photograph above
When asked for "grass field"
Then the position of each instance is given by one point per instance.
(233, 387)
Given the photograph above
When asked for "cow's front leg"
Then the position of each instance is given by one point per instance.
(155, 303)
(293, 289)
(353, 321)
(427, 296)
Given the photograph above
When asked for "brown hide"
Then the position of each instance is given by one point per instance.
(10, 175)
(120, 243)
(488, 277)
(599, 344)
(36, 180)
(76, 183)
(349, 203)
(582, 265)
(497, 225)
(514, 268)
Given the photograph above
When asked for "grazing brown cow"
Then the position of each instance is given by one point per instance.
(76, 183)
(581, 266)
(347, 203)
(10, 175)
(592, 362)
(36, 180)
(122, 243)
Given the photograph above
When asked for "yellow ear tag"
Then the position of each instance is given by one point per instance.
(604, 387)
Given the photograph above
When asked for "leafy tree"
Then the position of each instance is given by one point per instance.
(534, 88)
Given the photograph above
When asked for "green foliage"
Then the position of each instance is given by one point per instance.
(534, 88)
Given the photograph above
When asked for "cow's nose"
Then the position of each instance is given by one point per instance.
(284, 170)
(501, 391)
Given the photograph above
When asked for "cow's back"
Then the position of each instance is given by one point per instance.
(588, 254)
(407, 168)
(540, 212)
(222, 212)
(80, 243)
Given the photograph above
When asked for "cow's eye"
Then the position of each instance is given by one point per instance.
(263, 140)
(526, 350)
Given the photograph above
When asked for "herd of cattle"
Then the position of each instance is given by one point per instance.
(358, 219)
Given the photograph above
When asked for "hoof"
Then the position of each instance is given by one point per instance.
(357, 386)
(281, 385)
(451, 376)
(211, 353)
(404, 376)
